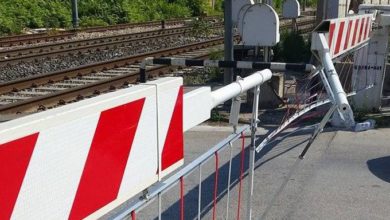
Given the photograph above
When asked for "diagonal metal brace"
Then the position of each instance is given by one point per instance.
(318, 130)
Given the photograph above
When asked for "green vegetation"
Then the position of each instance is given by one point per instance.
(15, 15)
(292, 48)
(18, 14)
(216, 116)
(216, 54)
(309, 3)
(207, 74)
(201, 28)
(215, 74)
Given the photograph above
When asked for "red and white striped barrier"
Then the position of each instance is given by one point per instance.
(345, 34)
(71, 161)
(333, 38)
(170, 123)
(86, 158)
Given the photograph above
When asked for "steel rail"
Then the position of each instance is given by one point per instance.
(94, 88)
(105, 65)
(46, 37)
(8, 41)
(37, 39)
(91, 48)
(84, 42)
(87, 45)
(145, 23)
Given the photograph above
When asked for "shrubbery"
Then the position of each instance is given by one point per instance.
(142, 10)
(278, 4)
(18, 14)
(292, 48)
(15, 15)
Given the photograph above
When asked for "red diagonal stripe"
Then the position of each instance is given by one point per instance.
(348, 35)
(107, 159)
(331, 32)
(366, 29)
(173, 150)
(361, 30)
(339, 36)
(14, 159)
(355, 31)
(369, 28)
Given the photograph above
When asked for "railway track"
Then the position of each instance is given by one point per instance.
(58, 88)
(9, 41)
(37, 93)
(18, 52)
(27, 54)
(90, 46)
(25, 39)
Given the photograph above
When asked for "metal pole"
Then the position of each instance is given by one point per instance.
(333, 78)
(159, 206)
(318, 130)
(229, 180)
(252, 149)
(321, 5)
(325, 10)
(294, 25)
(234, 89)
(75, 14)
(267, 54)
(228, 72)
(200, 192)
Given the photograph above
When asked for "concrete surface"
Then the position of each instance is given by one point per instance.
(344, 175)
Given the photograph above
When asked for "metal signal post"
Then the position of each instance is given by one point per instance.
(75, 14)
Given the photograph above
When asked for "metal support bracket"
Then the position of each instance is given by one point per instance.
(235, 112)
(235, 109)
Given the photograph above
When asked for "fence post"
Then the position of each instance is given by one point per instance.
(252, 147)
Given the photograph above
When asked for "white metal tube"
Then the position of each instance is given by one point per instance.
(334, 80)
(252, 155)
(234, 89)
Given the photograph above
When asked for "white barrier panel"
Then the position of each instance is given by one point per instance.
(197, 106)
(345, 34)
(69, 162)
(170, 123)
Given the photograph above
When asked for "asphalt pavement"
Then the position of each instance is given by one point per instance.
(344, 175)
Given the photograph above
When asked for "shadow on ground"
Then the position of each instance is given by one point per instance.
(380, 167)
(191, 197)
